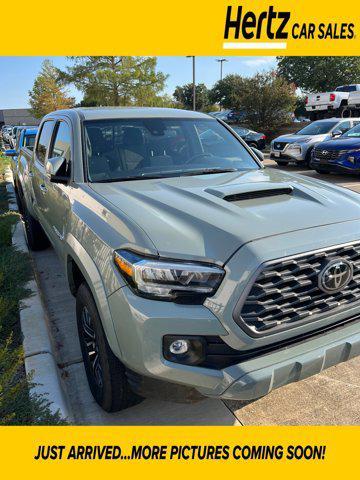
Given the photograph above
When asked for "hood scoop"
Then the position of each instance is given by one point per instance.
(235, 193)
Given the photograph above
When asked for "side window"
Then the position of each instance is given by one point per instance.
(44, 140)
(62, 145)
(343, 127)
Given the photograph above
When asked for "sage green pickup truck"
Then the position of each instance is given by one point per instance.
(197, 271)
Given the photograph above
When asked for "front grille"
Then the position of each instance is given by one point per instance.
(285, 293)
(279, 145)
(324, 154)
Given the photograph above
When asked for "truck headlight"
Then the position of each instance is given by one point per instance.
(168, 279)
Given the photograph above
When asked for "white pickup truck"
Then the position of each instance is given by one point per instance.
(319, 104)
(354, 100)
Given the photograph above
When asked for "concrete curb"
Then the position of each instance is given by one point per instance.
(40, 360)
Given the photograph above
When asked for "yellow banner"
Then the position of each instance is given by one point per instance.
(186, 27)
(63, 452)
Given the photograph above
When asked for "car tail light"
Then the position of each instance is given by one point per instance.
(306, 100)
(332, 97)
(263, 137)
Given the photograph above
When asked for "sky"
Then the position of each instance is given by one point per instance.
(17, 74)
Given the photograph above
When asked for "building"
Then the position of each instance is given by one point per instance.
(17, 116)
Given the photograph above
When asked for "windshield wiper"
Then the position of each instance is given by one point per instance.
(126, 179)
(175, 173)
(207, 171)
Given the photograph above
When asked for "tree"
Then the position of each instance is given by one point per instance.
(319, 74)
(116, 81)
(228, 91)
(266, 100)
(184, 95)
(48, 93)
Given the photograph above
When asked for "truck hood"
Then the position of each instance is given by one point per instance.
(211, 216)
(294, 138)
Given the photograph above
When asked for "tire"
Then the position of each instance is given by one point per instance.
(282, 163)
(306, 162)
(105, 373)
(253, 145)
(313, 116)
(35, 235)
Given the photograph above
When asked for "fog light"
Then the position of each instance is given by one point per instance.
(187, 349)
(179, 347)
(351, 159)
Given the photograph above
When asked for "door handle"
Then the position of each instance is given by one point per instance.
(43, 188)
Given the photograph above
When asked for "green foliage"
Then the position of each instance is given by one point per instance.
(184, 96)
(48, 93)
(266, 100)
(319, 74)
(228, 91)
(116, 81)
(17, 405)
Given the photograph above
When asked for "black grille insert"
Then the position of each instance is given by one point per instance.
(324, 154)
(286, 293)
(258, 194)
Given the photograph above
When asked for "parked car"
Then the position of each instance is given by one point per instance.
(329, 102)
(253, 139)
(229, 116)
(297, 147)
(12, 135)
(196, 271)
(341, 154)
(6, 134)
(26, 141)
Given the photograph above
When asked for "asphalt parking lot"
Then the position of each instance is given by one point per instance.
(332, 397)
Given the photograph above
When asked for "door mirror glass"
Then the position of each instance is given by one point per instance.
(259, 154)
(56, 170)
(336, 133)
(11, 153)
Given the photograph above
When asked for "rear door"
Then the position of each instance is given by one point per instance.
(38, 169)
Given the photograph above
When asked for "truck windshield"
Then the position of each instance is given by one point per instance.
(126, 149)
(317, 128)
(353, 133)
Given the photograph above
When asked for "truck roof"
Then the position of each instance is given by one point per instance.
(99, 113)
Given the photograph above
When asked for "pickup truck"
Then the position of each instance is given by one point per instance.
(330, 103)
(354, 101)
(197, 272)
(26, 141)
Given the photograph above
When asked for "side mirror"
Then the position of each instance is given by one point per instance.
(56, 170)
(11, 153)
(259, 154)
(336, 133)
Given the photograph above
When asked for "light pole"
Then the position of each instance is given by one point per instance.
(194, 84)
(221, 61)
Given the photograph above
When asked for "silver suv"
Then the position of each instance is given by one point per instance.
(297, 147)
(197, 271)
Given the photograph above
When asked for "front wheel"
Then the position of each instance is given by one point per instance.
(105, 373)
(282, 163)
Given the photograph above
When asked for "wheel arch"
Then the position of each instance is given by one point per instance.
(80, 268)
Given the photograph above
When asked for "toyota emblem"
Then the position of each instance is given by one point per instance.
(324, 152)
(335, 275)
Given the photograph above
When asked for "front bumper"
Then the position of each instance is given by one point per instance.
(341, 165)
(140, 325)
(289, 154)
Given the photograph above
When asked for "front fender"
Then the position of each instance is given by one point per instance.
(76, 252)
